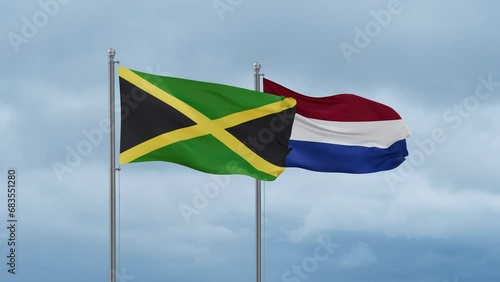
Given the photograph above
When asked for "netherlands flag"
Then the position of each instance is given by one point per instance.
(343, 133)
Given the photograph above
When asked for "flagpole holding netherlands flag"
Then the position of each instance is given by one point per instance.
(258, 205)
(112, 165)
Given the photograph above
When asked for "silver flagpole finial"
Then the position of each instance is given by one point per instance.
(256, 66)
(111, 53)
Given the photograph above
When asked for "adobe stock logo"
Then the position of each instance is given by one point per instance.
(202, 197)
(372, 29)
(223, 6)
(310, 264)
(30, 28)
(84, 148)
(454, 118)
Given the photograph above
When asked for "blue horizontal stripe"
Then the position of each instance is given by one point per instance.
(327, 157)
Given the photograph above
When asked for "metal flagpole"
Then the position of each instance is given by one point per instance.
(258, 185)
(112, 164)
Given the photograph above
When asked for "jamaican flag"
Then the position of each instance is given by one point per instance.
(209, 127)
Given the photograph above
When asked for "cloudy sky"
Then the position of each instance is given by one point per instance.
(436, 218)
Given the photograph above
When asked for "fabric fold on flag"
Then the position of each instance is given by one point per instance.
(209, 127)
(343, 133)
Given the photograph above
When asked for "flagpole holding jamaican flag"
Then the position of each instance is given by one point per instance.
(112, 166)
(258, 198)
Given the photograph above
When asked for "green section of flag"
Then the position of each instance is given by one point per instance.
(213, 100)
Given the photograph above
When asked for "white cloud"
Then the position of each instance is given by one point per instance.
(358, 256)
(416, 210)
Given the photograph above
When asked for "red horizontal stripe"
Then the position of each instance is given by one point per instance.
(340, 107)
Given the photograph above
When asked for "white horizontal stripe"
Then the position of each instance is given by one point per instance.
(380, 134)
